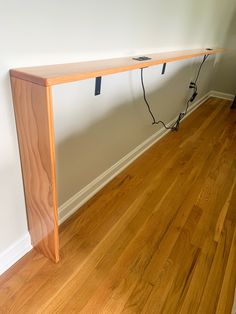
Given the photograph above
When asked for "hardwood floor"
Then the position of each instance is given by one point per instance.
(159, 238)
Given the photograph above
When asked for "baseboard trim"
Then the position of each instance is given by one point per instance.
(76, 201)
(214, 93)
(13, 253)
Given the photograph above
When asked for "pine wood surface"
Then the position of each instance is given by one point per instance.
(34, 121)
(49, 75)
(159, 238)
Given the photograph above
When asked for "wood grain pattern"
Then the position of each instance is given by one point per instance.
(228, 285)
(63, 73)
(33, 113)
(146, 242)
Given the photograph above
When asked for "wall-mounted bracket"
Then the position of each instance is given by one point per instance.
(98, 82)
(163, 68)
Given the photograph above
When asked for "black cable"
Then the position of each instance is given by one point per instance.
(195, 83)
(175, 125)
(187, 106)
(200, 67)
(145, 99)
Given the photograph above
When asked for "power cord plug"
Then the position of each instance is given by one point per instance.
(194, 95)
(180, 117)
(192, 85)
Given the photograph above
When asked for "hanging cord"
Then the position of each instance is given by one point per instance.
(148, 106)
(194, 85)
(175, 125)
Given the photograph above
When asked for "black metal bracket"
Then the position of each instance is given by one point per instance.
(163, 68)
(98, 82)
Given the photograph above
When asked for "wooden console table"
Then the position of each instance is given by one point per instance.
(32, 99)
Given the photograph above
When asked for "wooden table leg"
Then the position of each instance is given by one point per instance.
(233, 106)
(34, 120)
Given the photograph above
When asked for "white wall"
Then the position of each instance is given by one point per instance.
(92, 133)
(224, 78)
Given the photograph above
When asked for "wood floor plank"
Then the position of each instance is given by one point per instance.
(137, 299)
(214, 282)
(159, 238)
(175, 271)
(195, 290)
(223, 213)
(227, 290)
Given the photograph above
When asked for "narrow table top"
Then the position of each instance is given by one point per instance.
(49, 75)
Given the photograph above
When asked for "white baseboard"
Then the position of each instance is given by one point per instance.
(214, 93)
(77, 200)
(23, 245)
(13, 253)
